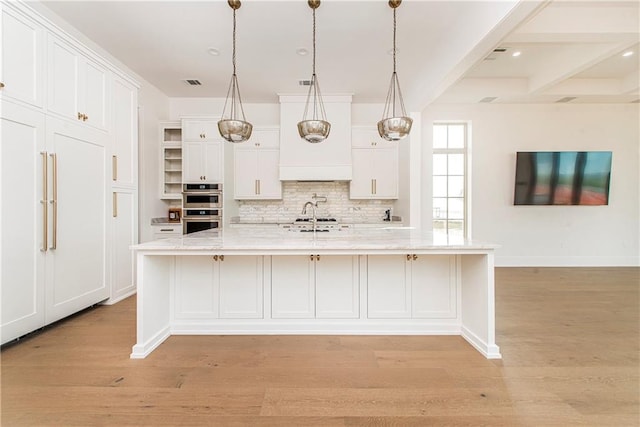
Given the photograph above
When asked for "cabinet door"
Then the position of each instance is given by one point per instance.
(22, 259)
(245, 174)
(64, 79)
(433, 285)
(337, 289)
(389, 289)
(240, 287)
(22, 58)
(269, 184)
(261, 139)
(375, 174)
(366, 137)
(385, 173)
(192, 162)
(123, 235)
(125, 134)
(93, 94)
(78, 268)
(361, 186)
(292, 287)
(213, 160)
(197, 295)
(200, 130)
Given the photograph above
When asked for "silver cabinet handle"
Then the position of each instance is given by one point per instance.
(115, 205)
(54, 201)
(258, 186)
(375, 186)
(45, 202)
(114, 167)
(414, 257)
(408, 257)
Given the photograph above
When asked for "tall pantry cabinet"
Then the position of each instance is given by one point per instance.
(68, 175)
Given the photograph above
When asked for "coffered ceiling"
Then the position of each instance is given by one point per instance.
(448, 51)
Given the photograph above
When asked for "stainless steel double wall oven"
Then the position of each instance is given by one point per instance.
(201, 207)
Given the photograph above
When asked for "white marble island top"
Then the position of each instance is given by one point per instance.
(273, 241)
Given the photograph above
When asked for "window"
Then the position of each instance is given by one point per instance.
(450, 178)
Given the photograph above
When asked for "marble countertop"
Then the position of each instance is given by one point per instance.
(271, 240)
(164, 221)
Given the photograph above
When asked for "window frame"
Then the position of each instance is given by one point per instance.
(466, 194)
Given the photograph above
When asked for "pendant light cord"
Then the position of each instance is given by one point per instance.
(394, 40)
(233, 56)
(314, 43)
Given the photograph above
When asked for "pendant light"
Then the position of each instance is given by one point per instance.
(395, 124)
(231, 127)
(315, 128)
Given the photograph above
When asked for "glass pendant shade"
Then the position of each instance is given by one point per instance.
(395, 124)
(233, 126)
(314, 126)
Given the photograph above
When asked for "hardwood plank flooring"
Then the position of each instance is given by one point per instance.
(570, 339)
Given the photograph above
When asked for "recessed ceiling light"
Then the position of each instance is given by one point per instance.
(516, 54)
(213, 51)
(627, 53)
(302, 52)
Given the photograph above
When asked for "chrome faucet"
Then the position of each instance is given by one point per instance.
(314, 219)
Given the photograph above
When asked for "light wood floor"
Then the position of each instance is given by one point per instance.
(569, 339)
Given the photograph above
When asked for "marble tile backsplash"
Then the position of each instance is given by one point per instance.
(295, 194)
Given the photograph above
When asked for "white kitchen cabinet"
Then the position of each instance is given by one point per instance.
(124, 140)
(314, 286)
(326, 160)
(171, 160)
(375, 165)
(337, 287)
(202, 152)
(22, 69)
(77, 271)
(255, 170)
(375, 174)
(434, 286)
(202, 162)
(388, 287)
(203, 129)
(166, 231)
(256, 175)
(124, 234)
(78, 87)
(24, 230)
(58, 145)
(219, 287)
(240, 283)
(411, 286)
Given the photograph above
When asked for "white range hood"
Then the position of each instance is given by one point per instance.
(329, 160)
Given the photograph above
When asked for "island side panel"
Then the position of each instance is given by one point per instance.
(153, 306)
(478, 303)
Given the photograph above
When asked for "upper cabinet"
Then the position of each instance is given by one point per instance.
(202, 152)
(328, 160)
(22, 59)
(200, 130)
(78, 86)
(375, 166)
(255, 169)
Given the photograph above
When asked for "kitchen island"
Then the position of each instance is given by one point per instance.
(383, 281)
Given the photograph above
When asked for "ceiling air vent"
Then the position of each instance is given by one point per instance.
(192, 82)
(304, 82)
(488, 99)
(566, 99)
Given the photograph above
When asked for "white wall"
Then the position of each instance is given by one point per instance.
(548, 235)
